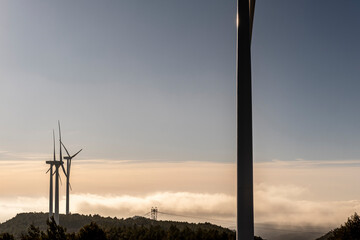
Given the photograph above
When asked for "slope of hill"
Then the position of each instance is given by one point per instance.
(326, 236)
(73, 222)
(273, 231)
(349, 230)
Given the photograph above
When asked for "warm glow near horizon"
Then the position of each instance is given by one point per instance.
(202, 189)
(125, 188)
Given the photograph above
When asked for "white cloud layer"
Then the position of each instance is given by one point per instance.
(125, 189)
(301, 192)
(285, 205)
(197, 206)
(181, 206)
(297, 192)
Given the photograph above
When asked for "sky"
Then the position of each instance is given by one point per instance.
(128, 79)
(305, 69)
(305, 59)
(148, 90)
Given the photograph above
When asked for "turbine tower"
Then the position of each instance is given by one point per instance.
(51, 180)
(57, 176)
(68, 168)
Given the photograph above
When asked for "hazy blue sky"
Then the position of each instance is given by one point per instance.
(306, 68)
(156, 80)
(128, 79)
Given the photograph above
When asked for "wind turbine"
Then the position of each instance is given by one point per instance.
(57, 165)
(68, 168)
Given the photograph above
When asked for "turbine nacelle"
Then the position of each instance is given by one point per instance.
(55, 162)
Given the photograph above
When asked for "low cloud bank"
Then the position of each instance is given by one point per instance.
(285, 205)
(306, 193)
(191, 206)
(10, 206)
(125, 188)
(274, 204)
(298, 193)
(181, 206)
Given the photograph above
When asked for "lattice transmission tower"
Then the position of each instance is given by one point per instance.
(153, 213)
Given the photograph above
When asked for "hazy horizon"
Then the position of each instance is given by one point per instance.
(147, 93)
(148, 90)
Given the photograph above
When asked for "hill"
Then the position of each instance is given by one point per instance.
(74, 222)
(349, 230)
(273, 231)
(326, 236)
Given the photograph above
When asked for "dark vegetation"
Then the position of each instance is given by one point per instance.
(257, 238)
(349, 231)
(6, 236)
(36, 226)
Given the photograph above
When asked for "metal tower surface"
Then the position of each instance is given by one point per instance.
(245, 205)
(56, 217)
(153, 213)
(51, 180)
(57, 164)
(68, 169)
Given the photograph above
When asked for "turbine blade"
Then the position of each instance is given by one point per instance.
(60, 180)
(48, 170)
(65, 149)
(62, 166)
(70, 186)
(76, 154)
(54, 145)
(59, 129)
(60, 140)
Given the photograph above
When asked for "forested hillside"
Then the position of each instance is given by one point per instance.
(76, 226)
(350, 230)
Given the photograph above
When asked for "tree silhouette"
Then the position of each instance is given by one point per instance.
(54, 231)
(91, 232)
(349, 231)
(126, 230)
(33, 233)
(257, 238)
(173, 233)
(71, 236)
(6, 236)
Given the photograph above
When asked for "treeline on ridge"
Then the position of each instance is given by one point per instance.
(93, 232)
